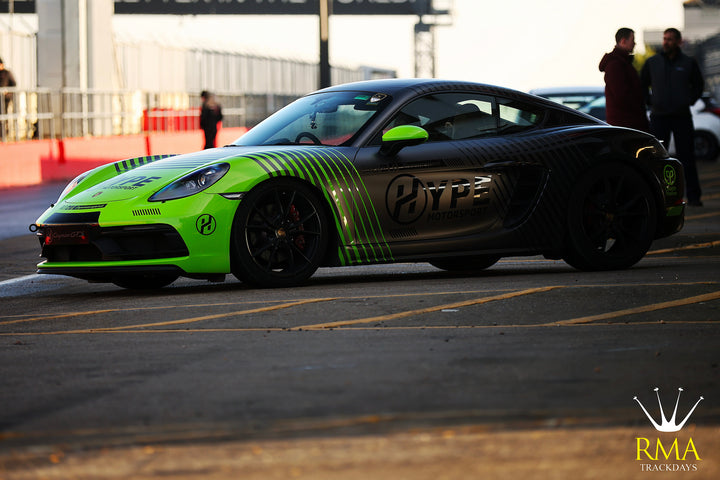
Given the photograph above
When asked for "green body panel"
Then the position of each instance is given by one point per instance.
(207, 253)
(361, 237)
(112, 170)
(120, 193)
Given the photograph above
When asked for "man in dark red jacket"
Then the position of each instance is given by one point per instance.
(624, 99)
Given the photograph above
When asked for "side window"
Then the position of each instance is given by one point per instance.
(515, 116)
(449, 116)
(474, 119)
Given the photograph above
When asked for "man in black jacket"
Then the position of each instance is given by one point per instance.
(675, 84)
(210, 116)
(6, 80)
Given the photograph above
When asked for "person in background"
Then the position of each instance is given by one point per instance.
(6, 80)
(624, 100)
(672, 83)
(210, 116)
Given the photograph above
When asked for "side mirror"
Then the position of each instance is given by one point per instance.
(400, 137)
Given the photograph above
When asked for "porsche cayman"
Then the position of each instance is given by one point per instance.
(455, 174)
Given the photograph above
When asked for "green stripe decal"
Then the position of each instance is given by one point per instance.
(368, 213)
(356, 219)
(132, 163)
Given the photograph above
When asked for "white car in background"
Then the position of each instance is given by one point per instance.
(573, 97)
(705, 112)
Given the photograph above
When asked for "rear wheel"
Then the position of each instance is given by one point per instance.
(465, 264)
(611, 219)
(279, 235)
(706, 147)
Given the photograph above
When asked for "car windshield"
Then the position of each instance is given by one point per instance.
(330, 118)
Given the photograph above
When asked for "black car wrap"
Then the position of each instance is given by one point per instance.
(455, 173)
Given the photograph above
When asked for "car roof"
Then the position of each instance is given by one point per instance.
(397, 86)
(404, 88)
(394, 85)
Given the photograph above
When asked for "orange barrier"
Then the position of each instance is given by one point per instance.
(77, 155)
(37, 161)
(226, 136)
(168, 119)
(20, 162)
(179, 142)
(182, 142)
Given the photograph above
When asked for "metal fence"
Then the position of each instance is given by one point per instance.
(158, 88)
(44, 113)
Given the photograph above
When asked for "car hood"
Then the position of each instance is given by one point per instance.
(145, 180)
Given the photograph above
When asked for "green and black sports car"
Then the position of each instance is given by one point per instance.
(452, 173)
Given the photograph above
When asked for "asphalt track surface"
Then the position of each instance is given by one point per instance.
(402, 371)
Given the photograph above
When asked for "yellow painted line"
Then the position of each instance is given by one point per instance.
(421, 311)
(115, 310)
(516, 326)
(179, 322)
(185, 321)
(288, 304)
(353, 329)
(695, 246)
(35, 317)
(702, 215)
(54, 317)
(95, 331)
(644, 309)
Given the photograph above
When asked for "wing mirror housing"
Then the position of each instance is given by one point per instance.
(400, 137)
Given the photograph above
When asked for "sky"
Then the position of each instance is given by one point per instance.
(520, 44)
(527, 43)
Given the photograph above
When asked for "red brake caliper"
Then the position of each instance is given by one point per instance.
(295, 217)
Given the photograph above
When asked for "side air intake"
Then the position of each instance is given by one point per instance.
(144, 212)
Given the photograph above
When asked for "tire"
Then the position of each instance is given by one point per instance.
(465, 264)
(279, 235)
(611, 219)
(144, 281)
(706, 147)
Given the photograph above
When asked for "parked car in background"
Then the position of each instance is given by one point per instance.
(573, 97)
(705, 112)
(706, 118)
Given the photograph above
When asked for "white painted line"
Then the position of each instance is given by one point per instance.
(19, 279)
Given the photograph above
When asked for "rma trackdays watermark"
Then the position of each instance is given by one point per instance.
(667, 455)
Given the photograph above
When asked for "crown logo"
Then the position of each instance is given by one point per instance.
(668, 425)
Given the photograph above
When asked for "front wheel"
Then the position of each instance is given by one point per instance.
(279, 235)
(611, 219)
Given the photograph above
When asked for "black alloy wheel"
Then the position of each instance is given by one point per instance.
(279, 236)
(612, 219)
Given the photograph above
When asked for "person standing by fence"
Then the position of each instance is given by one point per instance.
(210, 116)
(6, 80)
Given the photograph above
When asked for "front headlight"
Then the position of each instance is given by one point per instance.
(653, 149)
(192, 183)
